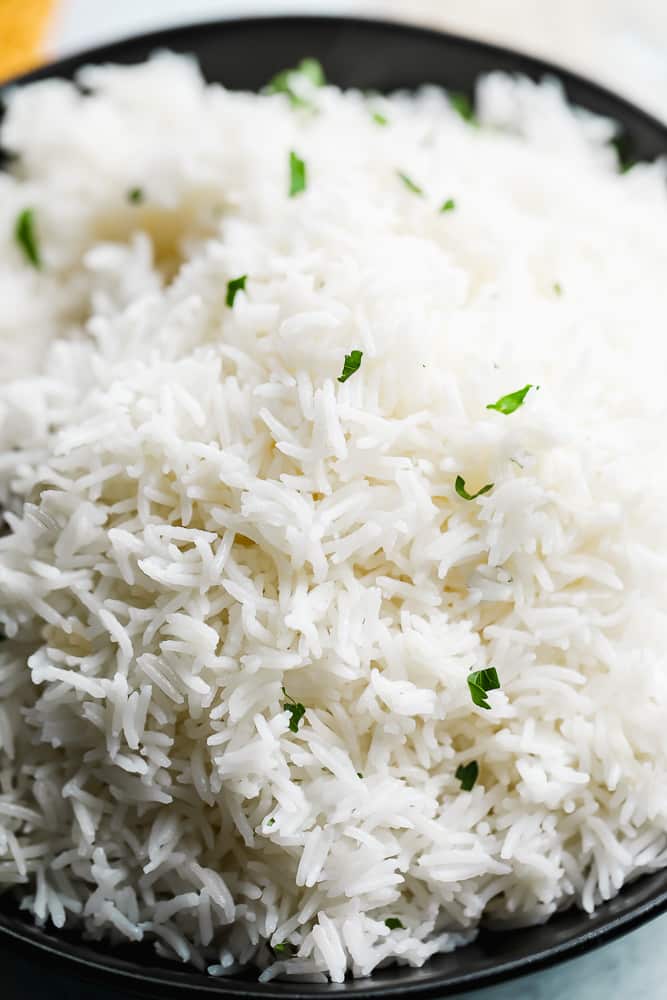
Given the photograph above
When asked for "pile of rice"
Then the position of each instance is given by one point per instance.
(205, 527)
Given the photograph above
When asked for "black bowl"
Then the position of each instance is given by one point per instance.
(376, 55)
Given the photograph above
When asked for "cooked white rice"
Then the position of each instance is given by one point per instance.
(203, 514)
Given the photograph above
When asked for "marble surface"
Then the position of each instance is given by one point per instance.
(632, 968)
(624, 44)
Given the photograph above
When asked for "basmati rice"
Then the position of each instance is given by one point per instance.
(207, 529)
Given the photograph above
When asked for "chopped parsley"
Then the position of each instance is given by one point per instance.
(508, 404)
(467, 775)
(460, 487)
(359, 774)
(463, 106)
(271, 822)
(623, 147)
(558, 288)
(26, 237)
(481, 681)
(409, 183)
(287, 82)
(282, 948)
(351, 365)
(234, 287)
(313, 72)
(448, 206)
(298, 176)
(296, 711)
(135, 195)
(379, 118)
(394, 924)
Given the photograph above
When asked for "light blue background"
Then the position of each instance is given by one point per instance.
(632, 968)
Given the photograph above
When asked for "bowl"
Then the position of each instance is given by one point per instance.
(377, 55)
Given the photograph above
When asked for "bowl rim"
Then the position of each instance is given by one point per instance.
(160, 37)
(175, 979)
(14, 930)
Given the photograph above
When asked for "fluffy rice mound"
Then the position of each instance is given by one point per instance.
(208, 532)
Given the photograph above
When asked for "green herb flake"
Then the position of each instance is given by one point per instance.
(271, 822)
(481, 681)
(460, 487)
(26, 237)
(508, 404)
(287, 81)
(280, 84)
(462, 104)
(135, 195)
(558, 288)
(394, 924)
(380, 119)
(622, 146)
(282, 948)
(448, 206)
(234, 287)
(313, 72)
(467, 774)
(298, 175)
(359, 774)
(296, 711)
(410, 184)
(351, 365)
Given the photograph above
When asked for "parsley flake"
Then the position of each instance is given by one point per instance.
(558, 288)
(298, 175)
(508, 404)
(460, 487)
(394, 924)
(462, 104)
(296, 711)
(380, 119)
(282, 948)
(481, 681)
(410, 184)
(290, 81)
(448, 206)
(26, 237)
(271, 822)
(351, 365)
(135, 195)
(623, 147)
(359, 774)
(467, 775)
(234, 287)
(313, 72)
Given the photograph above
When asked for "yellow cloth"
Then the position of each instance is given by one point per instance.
(23, 27)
